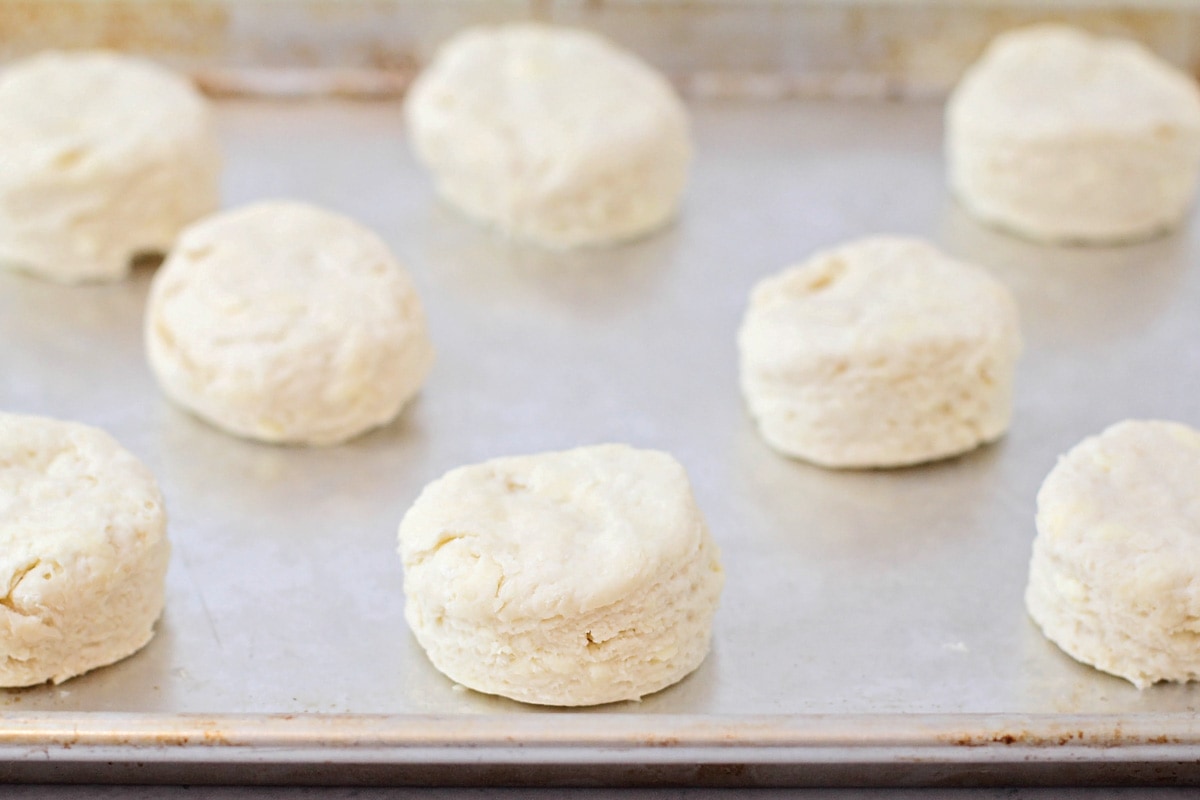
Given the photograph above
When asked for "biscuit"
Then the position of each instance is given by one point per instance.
(286, 323)
(103, 157)
(1063, 137)
(83, 551)
(879, 353)
(1116, 560)
(571, 578)
(552, 135)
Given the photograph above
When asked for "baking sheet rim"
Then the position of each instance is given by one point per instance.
(586, 738)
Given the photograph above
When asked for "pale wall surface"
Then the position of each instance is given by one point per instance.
(716, 47)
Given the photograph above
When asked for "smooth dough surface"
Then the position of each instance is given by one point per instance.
(102, 157)
(878, 353)
(83, 550)
(1064, 137)
(552, 135)
(1115, 575)
(570, 578)
(286, 323)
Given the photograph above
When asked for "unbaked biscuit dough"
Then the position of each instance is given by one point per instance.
(286, 323)
(1115, 571)
(1064, 137)
(552, 135)
(571, 578)
(879, 353)
(83, 550)
(102, 157)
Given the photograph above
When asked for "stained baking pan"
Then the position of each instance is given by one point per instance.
(872, 629)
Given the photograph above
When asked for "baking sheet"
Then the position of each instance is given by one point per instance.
(870, 618)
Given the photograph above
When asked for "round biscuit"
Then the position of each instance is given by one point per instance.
(83, 550)
(1114, 579)
(571, 578)
(552, 135)
(103, 157)
(286, 323)
(1060, 136)
(879, 353)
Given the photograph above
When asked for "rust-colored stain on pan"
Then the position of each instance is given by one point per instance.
(1103, 737)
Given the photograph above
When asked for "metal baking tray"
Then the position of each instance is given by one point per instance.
(872, 629)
